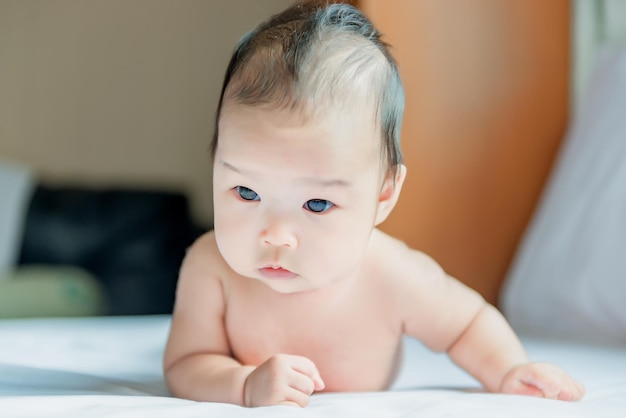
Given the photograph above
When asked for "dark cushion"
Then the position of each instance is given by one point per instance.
(132, 241)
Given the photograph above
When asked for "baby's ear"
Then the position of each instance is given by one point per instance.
(390, 192)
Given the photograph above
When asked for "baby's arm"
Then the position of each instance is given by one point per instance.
(198, 364)
(490, 351)
(449, 316)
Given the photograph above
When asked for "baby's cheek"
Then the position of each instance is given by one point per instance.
(230, 241)
(341, 261)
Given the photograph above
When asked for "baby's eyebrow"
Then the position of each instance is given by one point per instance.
(230, 167)
(325, 182)
(307, 180)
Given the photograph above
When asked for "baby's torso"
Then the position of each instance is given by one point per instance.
(353, 339)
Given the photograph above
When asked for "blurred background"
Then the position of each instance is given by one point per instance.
(107, 107)
(106, 111)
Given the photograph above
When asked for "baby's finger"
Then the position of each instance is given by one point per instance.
(518, 387)
(549, 390)
(308, 368)
(544, 377)
(553, 382)
(319, 383)
(288, 403)
(572, 392)
(296, 397)
(301, 382)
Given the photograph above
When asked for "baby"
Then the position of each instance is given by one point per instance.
(296, 291)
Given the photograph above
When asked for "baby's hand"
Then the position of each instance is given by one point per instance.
(282, 380)
(543, 380)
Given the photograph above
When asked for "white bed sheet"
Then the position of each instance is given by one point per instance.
(111, 367)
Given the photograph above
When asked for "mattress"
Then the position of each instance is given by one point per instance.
(111, 367)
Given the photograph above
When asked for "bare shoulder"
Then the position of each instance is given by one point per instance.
(204, 263)
(400, 263)
(203, 251)
(423, 290)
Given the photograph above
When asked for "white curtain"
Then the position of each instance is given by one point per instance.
(597, 24)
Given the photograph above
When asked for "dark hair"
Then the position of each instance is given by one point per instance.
(312, 53)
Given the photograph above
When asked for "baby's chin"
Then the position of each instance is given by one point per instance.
(291, 287)
(294, 286)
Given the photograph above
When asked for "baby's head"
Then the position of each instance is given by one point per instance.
(315, 58)
(307, 157)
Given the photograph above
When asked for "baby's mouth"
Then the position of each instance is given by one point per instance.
(277, 273)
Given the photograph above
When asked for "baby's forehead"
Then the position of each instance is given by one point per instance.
(280, 145)
(346, 140)
(354, 124)
(333, 116)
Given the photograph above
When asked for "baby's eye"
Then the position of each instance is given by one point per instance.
(246, 194)
(318, 205)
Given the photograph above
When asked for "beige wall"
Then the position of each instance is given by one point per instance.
(118, 92)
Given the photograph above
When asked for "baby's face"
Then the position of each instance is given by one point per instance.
(295, 202)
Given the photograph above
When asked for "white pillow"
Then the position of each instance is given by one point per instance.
(569, 276)
(16, 186)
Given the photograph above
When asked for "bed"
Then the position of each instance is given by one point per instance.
(110, 367)
(564, 294)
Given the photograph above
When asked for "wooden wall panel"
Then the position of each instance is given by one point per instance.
(487, 94)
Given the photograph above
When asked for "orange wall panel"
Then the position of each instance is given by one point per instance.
(487, 100)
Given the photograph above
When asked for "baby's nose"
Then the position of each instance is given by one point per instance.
(279, 233)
